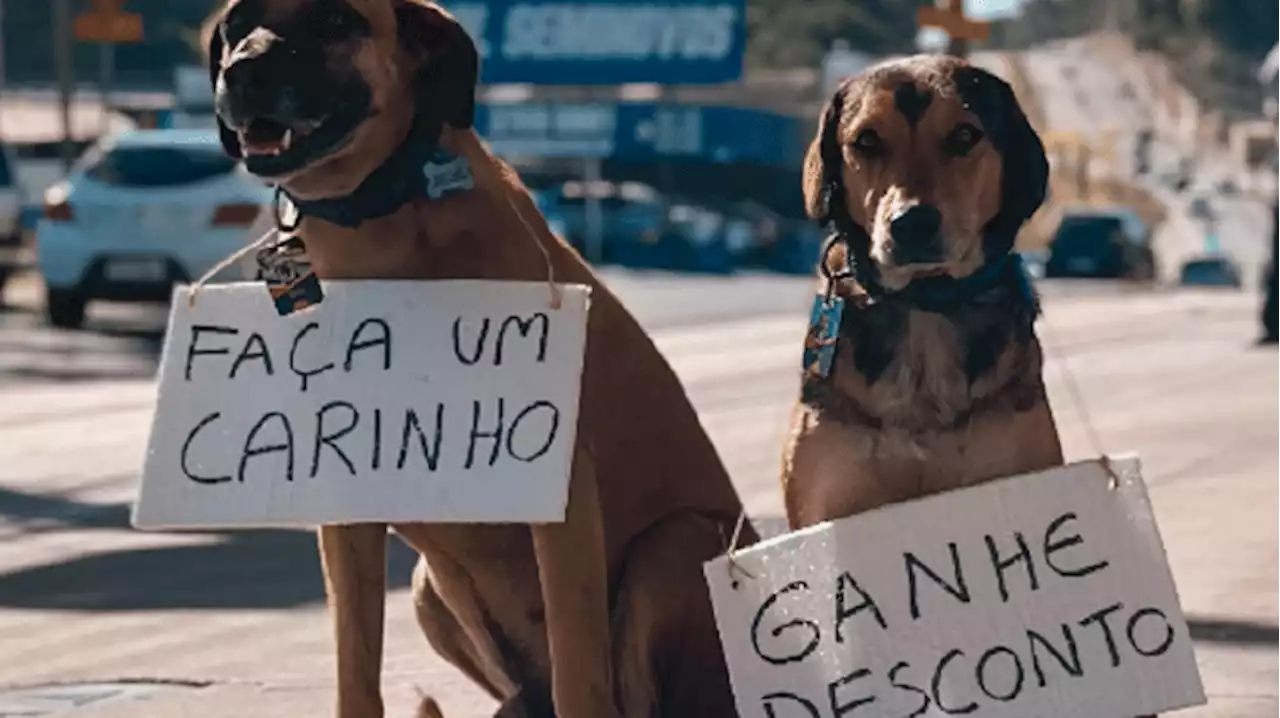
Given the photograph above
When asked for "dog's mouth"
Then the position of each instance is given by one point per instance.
(267, 138)
(898, 276)
(273, 147)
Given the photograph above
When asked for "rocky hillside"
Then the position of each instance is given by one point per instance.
(1215, 46)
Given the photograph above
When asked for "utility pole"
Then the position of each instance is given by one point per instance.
(63, 62)
(1270, 78)
(3, 78)
(1271, 306)
(949, 17)
(106, 68)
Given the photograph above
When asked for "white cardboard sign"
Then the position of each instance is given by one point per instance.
(445, 401)
(1047, 594)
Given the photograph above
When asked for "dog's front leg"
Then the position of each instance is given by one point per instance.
(575, 593)
(355, 572)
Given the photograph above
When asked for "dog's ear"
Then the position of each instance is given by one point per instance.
(211, 33)
(822, 153)
(1025, 168)
(446, 82)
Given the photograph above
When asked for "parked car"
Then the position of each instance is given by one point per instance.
(11, 229)
(1106, 245)
(777, 243)
(696, 238)
(630, 214)
(1033, 261)
(11, 200)
(1210, 271)
(139, 212)
(1200, 208)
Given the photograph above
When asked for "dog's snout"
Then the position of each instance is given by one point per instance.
(259, 79)
(918, 223)
(916, 233)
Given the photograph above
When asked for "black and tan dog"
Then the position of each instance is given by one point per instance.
(926, 168)
(932, 375)
(350, 106)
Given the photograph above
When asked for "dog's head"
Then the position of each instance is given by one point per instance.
(933, 163)
(316, 94)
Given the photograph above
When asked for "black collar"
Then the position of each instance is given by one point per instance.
(398, 181)
(940, 295)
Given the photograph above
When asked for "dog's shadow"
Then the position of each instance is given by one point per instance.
(272, 569)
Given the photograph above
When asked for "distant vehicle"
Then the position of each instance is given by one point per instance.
(1210, 271)
(1033, 262)
(1104, 245)
(1176, 180)
(630, 214)
(11, 200)
(1134, 229)
(1200, 208)
(696, 238)
(776, 242)
(551, 213)
(141, 211)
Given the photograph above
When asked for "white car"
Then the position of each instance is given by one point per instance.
(140, 212)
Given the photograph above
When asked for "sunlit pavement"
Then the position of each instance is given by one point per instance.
(234, 623)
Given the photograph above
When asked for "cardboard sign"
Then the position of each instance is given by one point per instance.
(450, 401)
(1042, 595)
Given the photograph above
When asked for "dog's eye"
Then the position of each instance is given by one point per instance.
(868, 142)
(962, 139)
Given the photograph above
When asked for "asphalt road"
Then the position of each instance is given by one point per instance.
(1091, 86)
(233, 624)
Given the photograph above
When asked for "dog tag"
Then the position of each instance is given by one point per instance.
(821, 338)
(447, 174)
(287, 272)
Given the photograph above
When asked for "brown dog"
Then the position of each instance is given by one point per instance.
(927, 168)
(342, 103)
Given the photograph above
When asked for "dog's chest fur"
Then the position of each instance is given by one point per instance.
(917, 403)
(919, 372)
(924, 381)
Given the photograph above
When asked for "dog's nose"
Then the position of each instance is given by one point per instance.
(916, 234)
(918, 223)
(257, 81)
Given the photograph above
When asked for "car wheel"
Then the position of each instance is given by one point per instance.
(64, 308)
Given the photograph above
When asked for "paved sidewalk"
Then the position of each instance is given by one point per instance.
(82, 598)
